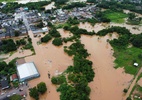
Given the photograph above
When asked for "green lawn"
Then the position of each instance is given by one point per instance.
(126, 58)
(117, 17)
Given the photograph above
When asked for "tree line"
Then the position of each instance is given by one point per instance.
(8, 69)
(12, 6)
(114, 5)
(39, 89)
(73, 83)
(125, 37)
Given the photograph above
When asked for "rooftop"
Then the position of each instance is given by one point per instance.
(4, 84)
(27, 70)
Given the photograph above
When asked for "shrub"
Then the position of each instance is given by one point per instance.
(125, 90)
(57, 41)
(46, 38)
(42, 87)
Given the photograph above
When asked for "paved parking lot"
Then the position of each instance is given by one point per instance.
(21, 90)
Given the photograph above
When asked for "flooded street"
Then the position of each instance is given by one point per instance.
(18, 54)
(48, 58)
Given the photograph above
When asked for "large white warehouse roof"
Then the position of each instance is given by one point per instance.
(27, 71)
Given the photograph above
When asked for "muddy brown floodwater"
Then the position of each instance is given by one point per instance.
(108, 82)
(48, 58)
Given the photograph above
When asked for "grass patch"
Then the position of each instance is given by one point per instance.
(57, 26)
(139, 88)
(139, 77)
(116, 17)
(134, 22)
(126, 57)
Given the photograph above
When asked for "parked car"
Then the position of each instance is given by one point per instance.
(13, 93)
(2, 93)
(8, 95)
(21, 89)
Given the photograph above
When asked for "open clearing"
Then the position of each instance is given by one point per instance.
(117, 17)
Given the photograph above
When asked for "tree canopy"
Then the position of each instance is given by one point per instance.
(57, 41)
(42, 87)
(34, 93)
(8, 46)
(46, 38)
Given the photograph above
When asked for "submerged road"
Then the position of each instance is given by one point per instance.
(132, 84)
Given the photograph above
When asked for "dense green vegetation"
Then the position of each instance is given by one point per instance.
(46, 38)
(58, 80)
(34, 92)
(57, 41)
(60, 2)
(74, 4)
(7, 0)
(15, 97)
(120, 30)
(126, 4)
(11, 6)
(136, 40)
(54, 33)
(8, 69)
(92, 1)
(8, 46)
(133, 19)
(40, 25)
(20, 42)
(41, 87)
(75, 85)
(72, 21)
(78, 31)
(92, 21)
(77, 49)
(78, 77)
(72, 38)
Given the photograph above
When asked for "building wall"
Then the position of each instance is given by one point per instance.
(29, 78)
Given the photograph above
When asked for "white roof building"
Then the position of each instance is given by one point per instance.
(27, 71)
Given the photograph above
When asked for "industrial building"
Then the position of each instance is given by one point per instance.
(27, 71)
